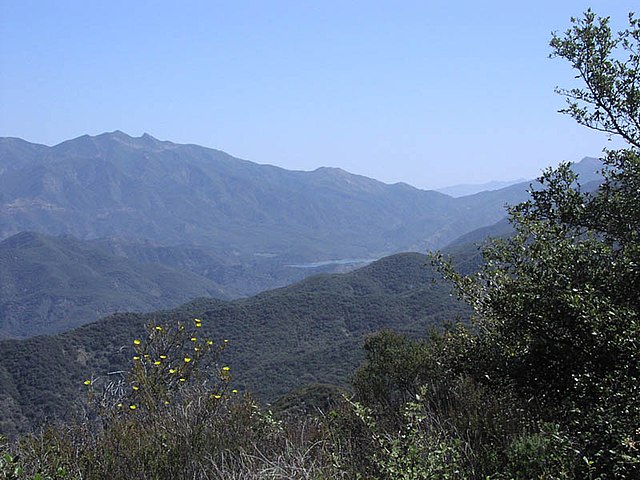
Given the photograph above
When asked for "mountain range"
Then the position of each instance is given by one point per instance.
(142, 188)
(171, 194)
(110, 223)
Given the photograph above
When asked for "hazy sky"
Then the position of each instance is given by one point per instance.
(430, 93)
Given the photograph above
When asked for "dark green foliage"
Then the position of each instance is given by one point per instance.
(553, 356)
(558, 307)
(557, 304)
(308, 333)
(171, 418)
(558, 330)
(431, 391)
(309, 400)
(609, 66)
(545, 454)
(397, 368)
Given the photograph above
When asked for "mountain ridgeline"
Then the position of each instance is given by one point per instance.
(114, 185)
(142, 188)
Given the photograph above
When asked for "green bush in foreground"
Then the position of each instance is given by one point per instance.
(172, 416)
(454, 423)
(547, 384)
(558, 305)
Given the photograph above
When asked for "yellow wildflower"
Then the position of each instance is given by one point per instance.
(136, 342)
(193, 339)
(136, 357)
(183, 379)
(226, 369)
(132, 407)
(172, 370)
(158, 328)
(187, 359)
(209, 342)
(196, 349)
(234, 391)
(157, 362)
(87, 382)
(163, 357)
(135, 387)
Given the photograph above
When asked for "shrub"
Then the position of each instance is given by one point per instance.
(173, 415)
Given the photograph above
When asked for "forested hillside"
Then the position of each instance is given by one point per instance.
(51, 284)
(281, 339)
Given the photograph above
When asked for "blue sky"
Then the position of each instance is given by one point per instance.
(431, 93)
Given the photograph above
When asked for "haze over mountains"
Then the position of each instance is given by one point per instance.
(143, 188)
(112, 223)
(211, 225)
(464, 189)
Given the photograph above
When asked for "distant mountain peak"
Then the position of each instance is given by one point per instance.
(119, 134)
(335, 170)
(148, 138)
(591, 163)
(148, 141)
(120, 138)
(591, 160)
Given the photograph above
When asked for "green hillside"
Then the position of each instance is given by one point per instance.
(50, 284)
(281, 339)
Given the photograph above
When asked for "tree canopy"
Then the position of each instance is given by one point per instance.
(558, 303)
(554, 355)
(609, 66)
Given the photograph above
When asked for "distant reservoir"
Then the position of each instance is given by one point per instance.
(344, 261)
